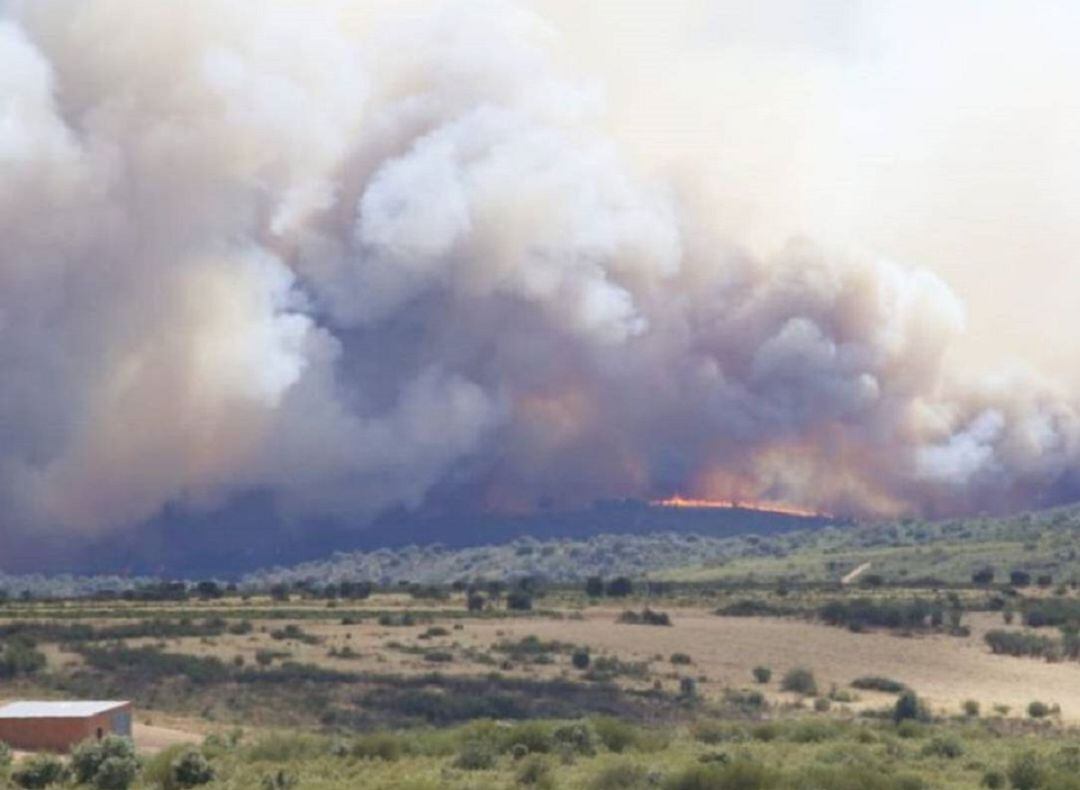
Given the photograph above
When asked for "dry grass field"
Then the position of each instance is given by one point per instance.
(945, 670)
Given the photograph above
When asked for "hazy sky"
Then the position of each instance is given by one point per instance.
(939, 134)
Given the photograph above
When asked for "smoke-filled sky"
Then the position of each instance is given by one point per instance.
(359, 255)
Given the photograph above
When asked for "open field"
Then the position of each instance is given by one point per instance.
(926, 670)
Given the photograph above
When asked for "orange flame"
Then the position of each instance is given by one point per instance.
(679, 501)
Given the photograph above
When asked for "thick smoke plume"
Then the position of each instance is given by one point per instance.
(361, 260)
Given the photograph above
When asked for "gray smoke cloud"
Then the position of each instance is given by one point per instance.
(361, 259)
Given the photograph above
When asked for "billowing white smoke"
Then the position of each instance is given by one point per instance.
(279, 245)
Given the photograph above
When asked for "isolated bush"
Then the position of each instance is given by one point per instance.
(822, 704)
(580, 658)
(1038, 710)
(476, 602)
(108, 764)
(762, 674)
(681, 659)
(993, 780)
(39, 771)
(519, 601)
(983, 576)
(687, 688)
(801, 681)
(971, 708)
(1019, 578)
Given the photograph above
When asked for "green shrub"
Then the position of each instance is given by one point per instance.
(762, 674)
(822, 704)
(971, 708)
(116, 773)
(993, 780)
(475, 756)
(536, 736)
(767, 732)
(745, 699)
(812, 731)
(645, 617)
(19, 657)
(909, 728)
(877, 683)
(617, 736)
(108, 764)
(1018, 643)
(1026, 772)
(681, 659)
(535, 772)
(287, 747)
(801, 681)
(947, 746)
(191, 769)
(580, 658)
(909, 708)
(713, 732)
(39, 771)
(519, 601)
(378, 746)
(577, 738)
(855, 778)
(861, 613)
(621, 776)
(1038, 710)
(740, 775)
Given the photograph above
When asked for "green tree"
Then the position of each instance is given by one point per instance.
(908, 708)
